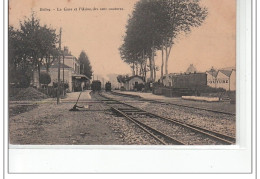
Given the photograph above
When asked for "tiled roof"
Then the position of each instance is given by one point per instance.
(213, 73)
(226, 72)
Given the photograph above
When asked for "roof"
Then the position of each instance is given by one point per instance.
(226, 72)
(191, 69)
(80, 75)
(55, 65)
(213, 73)
(70, 57)
(135, 76)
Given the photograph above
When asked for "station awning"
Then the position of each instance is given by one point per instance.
(80, 77)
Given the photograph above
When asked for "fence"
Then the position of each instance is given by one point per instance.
(52, 92)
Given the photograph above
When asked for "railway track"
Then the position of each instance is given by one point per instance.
(167, 103)
(165, 130)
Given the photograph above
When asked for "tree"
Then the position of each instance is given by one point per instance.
(19, 66)
(122, 78)
(155, 25)
(145, 32)
(37, 42)
(85, 66)
(184, 15)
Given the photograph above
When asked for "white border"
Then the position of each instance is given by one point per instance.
(125, 159)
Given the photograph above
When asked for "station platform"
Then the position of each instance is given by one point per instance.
(218, 106)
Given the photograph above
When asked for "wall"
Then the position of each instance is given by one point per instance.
(233, 81)
(192, 80)
(222, 81)
(72, 62)
(211, 80)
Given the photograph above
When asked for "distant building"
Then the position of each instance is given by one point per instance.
(167, 79)
(191, 69)
(225, 78)
(211, 77)
(132, 82)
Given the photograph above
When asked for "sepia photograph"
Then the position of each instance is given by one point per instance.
(129, 72)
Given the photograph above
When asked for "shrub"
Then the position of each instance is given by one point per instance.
(139, 87)
(208, 89)
(122, 88)
(45, 78)
(21, 78)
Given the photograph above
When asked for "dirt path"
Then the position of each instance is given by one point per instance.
(53, 124)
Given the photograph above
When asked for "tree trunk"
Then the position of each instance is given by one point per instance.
(39, 72)
(153, 64)
(168, 51)
(145, 64)
(136, 72)
(151, 68)
(162, 65)
(166, 61)
(154, 73)
(133, 68)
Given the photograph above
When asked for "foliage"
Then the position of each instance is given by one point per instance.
(155, 25)
(22, 79)
(29, 45)
(45, 78)
(85, 66)
(122, 78)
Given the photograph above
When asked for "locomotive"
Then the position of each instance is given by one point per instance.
(108, 86)
(96, 85)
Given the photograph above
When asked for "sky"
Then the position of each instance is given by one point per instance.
(100, 32)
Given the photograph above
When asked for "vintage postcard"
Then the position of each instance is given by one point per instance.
(132, 72)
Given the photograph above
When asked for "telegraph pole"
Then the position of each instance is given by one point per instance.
(63, 89)
(58, 91)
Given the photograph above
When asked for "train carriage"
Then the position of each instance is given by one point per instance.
(108, 86)
(96, 85)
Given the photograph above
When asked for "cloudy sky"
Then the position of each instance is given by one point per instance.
(99, 33)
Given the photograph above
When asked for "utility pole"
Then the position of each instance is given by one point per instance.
(63, 89)
(58, 91)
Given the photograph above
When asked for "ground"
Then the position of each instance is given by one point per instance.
(49, 123)
(45, 122)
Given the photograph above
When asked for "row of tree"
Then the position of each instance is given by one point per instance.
(29, 47)
(33, 45)
(154, 26)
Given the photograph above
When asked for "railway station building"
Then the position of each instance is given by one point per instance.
(70, 69)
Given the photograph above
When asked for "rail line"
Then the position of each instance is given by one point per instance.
(167, 103)
(149, 122)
